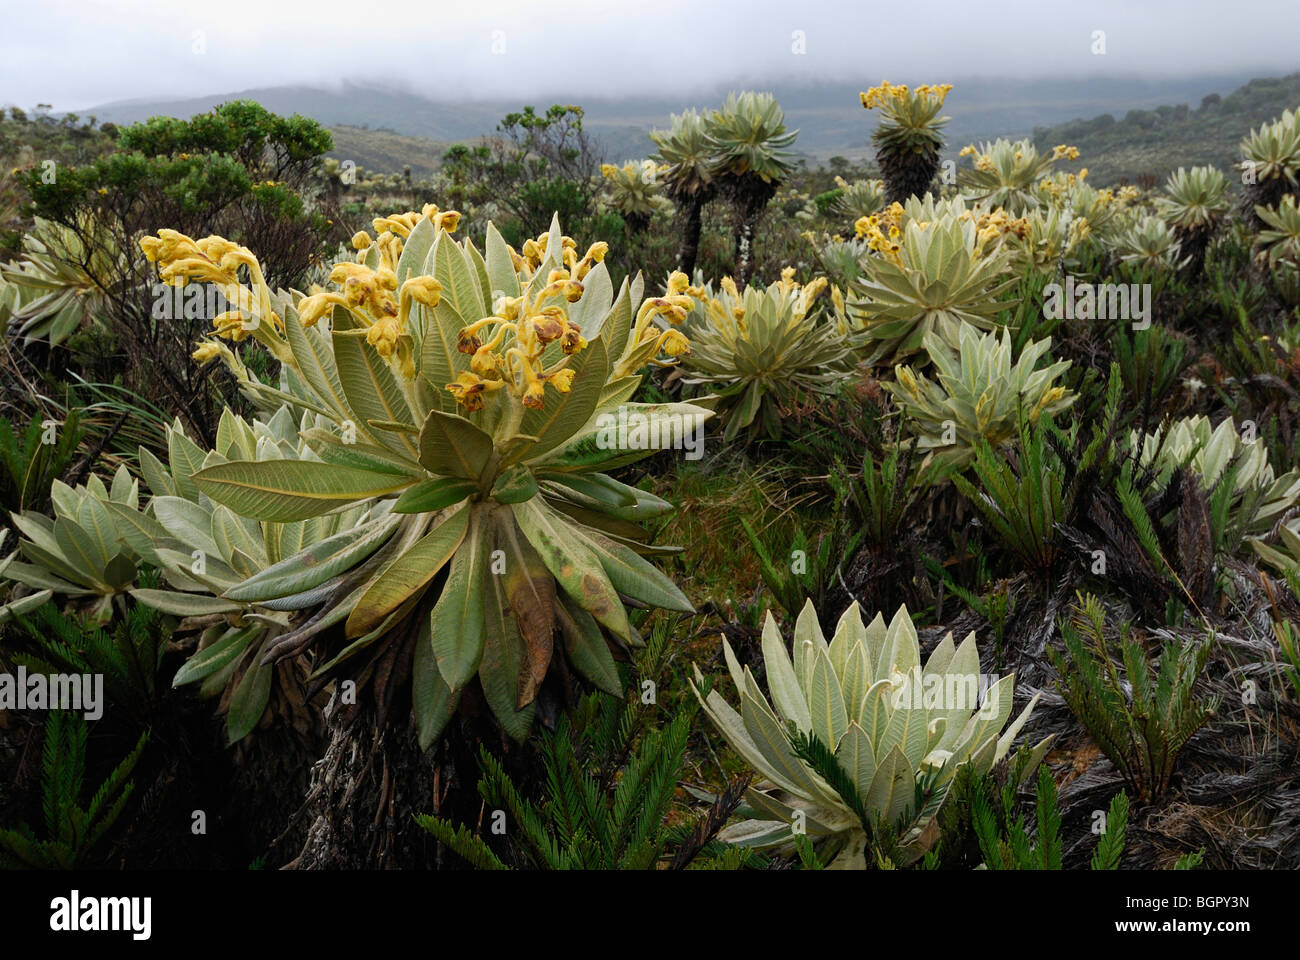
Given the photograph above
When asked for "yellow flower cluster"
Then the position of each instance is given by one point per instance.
(216, 260)
(1063, 150)
(506, 348)
(533, 254)
(1062, 184)
(989, 226)
(803, 296)
(889, 95)
(371, 295)
(883, 232)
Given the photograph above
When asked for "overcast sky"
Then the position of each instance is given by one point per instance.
(78, 54)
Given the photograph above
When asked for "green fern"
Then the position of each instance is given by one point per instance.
(607, 787)
(1142, 734)
(1111, 845)
(28, 467)
(1006, 845)
(1025, 495)
(128, 653)
(72, 831)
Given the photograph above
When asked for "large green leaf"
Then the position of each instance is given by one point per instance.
(434, 700)
(286, 490)
(415, 251)
(457, 619)
(459, 287)
(451, 446)
(249, 700)
(214, 656)
(503, 659)
(586, 647)
(633, 576)
(440, 361)
(429, 496)
(186, 460)
(184, 604)
(500, 265)
(311, 351)
(408, 573)
(573, 563)
(372, 390)
(564, 413)
(317, 564)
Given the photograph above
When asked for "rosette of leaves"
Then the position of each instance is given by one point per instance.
(1279, 242)
(1005, 173)
(686, 152)
(859, 741)
(861, 198)
(1194, 203)
(763, 350)
(1270, 165)
(635, 192)
(908, 138)
(79, 553)
(942, 279)
(1259, 498)
(512, 548)
(205, 551)
(54, 289)
(979, 392)
(1151, 244)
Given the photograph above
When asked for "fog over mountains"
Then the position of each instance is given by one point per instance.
(828, 115)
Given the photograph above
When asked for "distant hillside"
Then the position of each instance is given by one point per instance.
(828, 115)
(1161, 140)
(384, 151)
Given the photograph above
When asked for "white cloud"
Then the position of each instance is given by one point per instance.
(77, 54)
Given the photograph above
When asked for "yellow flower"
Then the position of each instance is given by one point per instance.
(534, 395)
(383, 337)
(674, 343)
(468, 391)
(207, 351)
(425, 290)
(562, 380)
(311, 309)
(361, 240)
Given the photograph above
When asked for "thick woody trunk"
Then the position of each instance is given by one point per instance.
(690, 238)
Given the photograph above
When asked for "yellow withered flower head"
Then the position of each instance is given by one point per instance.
(535, 395)
(572, 340)
(467, 341)
(361, 240)
(230, 326)
(562, 380)
(678, 282)
(484, 363)
(447, 220)
(207, 351)
(468, 391)
(549, 325)
(674, 343)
